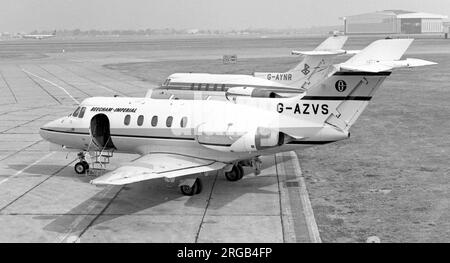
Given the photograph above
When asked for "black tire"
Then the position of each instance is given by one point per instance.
(187, 190)
(241, 172)
(86, 165)
(198, 182)
(80, 168)
(234, 174)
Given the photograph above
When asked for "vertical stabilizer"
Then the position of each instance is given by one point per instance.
(312, 68)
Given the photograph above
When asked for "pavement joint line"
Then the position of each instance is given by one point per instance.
(23, 149)
(51, 83)
(206, 208)
(96, 217)
(104, 74)
(288, 216)
(25, 123)
(9, 87)
(133, 214)
(67, 83)
(308, 211)
(38, 184)
(42, 88)
(279, 199)
(22, 110)
(94, 81)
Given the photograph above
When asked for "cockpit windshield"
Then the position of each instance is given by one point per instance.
(75, 114)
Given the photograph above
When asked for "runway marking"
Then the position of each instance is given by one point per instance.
(35, 186)
(53, 84)
(9, 87)
(67, 83)
(71, 237)
(308, 211)
(95, 82)
(22, 124)
(108, 76)
(24, 148)
(26, 168)
(42, 88)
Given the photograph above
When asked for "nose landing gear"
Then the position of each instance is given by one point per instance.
(82, 166)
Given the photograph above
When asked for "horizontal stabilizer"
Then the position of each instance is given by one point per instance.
(380, 66)
(381, 50)
(325, 52)
(331, 46)
(383, 55)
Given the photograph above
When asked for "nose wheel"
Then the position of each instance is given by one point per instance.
(236, 173)
(82, 166)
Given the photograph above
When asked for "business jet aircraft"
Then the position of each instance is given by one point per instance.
(39, 36)
(178, 138)
(309, 71)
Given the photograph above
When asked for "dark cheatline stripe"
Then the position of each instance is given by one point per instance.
(312, 142)
(70, 132)
(124, 135)
(153, 137)
(182, 138)
(215, 144)
(362, 73)
(361, 98)
(187, 86)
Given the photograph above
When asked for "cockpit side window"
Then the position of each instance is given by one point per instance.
(167, 82)
(81, 115)
(75, 113)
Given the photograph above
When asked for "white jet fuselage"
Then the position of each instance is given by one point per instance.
(220, 130)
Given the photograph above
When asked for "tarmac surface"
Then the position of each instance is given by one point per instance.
(42, 199)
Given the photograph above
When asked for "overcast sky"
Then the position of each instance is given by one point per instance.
(28, 15)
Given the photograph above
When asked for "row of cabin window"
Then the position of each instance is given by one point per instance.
(79, 112)
(154, 122)
(200, 86)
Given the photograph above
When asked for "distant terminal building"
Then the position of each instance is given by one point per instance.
(394, 22)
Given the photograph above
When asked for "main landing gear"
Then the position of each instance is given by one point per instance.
(237, 172)
(82, 166)
(191, 186)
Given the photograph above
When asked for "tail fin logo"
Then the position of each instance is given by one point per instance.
(306, 70)
(340, 85)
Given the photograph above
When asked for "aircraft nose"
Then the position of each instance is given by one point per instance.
(45, 130)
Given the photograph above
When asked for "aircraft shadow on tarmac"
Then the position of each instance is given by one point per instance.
(155, 197)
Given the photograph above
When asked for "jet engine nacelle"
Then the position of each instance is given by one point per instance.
(261, 138)
(258, 139)
(251, 92)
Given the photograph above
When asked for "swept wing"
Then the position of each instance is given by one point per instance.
(157, 165)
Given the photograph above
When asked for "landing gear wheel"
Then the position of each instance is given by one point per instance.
(241, 172)
(196, 188)
(198, 182)
(81, 167)
(236, 173)
(86, 165)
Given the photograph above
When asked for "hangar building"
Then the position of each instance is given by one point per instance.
(394, 22)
